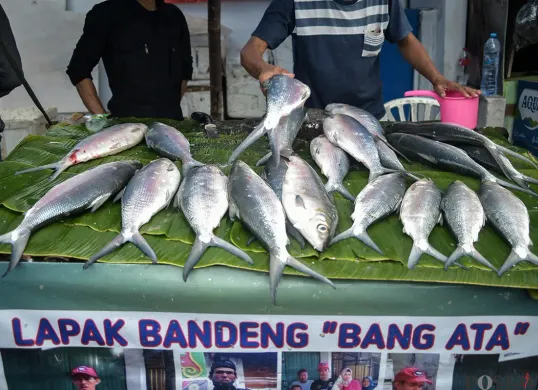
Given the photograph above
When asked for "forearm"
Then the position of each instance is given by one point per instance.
(252, 57)
(88, 94)
(415, 53)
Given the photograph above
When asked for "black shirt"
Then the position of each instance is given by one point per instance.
(146, 54)
(8, 78)
(318, 384)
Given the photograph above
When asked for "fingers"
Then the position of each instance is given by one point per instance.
(440, 90)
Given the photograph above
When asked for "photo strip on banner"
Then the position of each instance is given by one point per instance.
(165, 351)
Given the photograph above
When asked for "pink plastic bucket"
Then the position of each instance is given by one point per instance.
(455, 108)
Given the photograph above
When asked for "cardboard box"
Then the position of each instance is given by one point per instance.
(525, 131)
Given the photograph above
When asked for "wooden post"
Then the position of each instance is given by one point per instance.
(215, 57)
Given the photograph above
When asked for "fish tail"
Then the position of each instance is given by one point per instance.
(529, 179)
(118, 241)
(276, 269)
(514, 258)
(481, 259)
(416, 252)
(384, 140)
(340, 188)
(343, 236)
(367, 240)
(517, 155)
(58, 167)
(17, 246)
(414, 175)
(189, 164)
(220, 243)
(140, 242)
(264, 159)
(515, 187)
(295, 234)
(256, 133)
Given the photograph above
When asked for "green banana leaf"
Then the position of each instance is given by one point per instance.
(79, 237)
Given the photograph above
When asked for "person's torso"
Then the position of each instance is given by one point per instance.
(143, 62)
(304, 386)
(322, 385)
(336, 46)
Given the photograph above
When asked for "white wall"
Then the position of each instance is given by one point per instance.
(46, 36)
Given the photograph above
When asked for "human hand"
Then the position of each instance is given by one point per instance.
(270, 71)
(442, 84)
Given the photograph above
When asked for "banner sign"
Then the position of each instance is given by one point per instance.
(213, 333)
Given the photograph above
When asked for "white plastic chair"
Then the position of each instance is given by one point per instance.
(420, 107)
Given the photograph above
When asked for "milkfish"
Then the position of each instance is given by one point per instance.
(150, 190)
(203, 198)
(88, 190)
(258, 208)
(108, 142)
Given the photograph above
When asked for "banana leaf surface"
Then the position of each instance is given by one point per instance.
(77, 238)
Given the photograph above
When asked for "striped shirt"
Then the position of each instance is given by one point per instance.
(336, 45)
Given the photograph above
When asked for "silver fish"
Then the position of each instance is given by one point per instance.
(508, 214)
(465, 217)
(203, 198)
(172, 144)
(352, 137)
(288, 128)
(88, 190)
(149, 191)
(308, 205)
(434, 152)
(284, 94)
(380, 198)
(419, 214)
(107, 142)
(334, 164)
(258, 208)
(389, 159)
(364, 118)
(274, 176)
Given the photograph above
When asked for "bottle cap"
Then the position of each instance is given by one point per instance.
(493, 35)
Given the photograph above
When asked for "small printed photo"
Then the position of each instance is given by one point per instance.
(330, 371)
(228, 371)
(411, 371)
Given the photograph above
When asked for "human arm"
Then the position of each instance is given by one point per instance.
(86, 55)
(8, 78)
(400, 31)
(276, 25)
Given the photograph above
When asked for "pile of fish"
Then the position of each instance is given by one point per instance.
(289, 198)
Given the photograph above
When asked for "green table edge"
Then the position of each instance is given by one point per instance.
(222, 290)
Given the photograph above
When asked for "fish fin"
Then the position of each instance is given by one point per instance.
(516, 155)
(58, 168)
(17, 246)
(459, 252)
(529, 179)
(258, 131)
(251, 240)
(514, 258)
(119, 195)
(299, 201)
(365, 238)
(232, 211)
(189, 164)
(384, 140)
(416, 252)
(98, 202)
(286, 153)
(264, 159)
(428, 158)
(296, 264)
(515, 187)
(222, 244)
(340, 188)
(342, 236)
(293, 232)
(441, 220)
(118, 241)
(414, 175)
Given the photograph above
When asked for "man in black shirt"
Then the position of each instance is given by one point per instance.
(325, 382)
(146, 51)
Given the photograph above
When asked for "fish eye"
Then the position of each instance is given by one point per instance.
(322, 229)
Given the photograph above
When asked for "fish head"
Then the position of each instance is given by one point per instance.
(318, 230)
(133, 164)
(140, 127)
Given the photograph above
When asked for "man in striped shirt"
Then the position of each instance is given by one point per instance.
(336, 45)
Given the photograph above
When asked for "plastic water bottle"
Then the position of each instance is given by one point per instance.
(491, 66)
